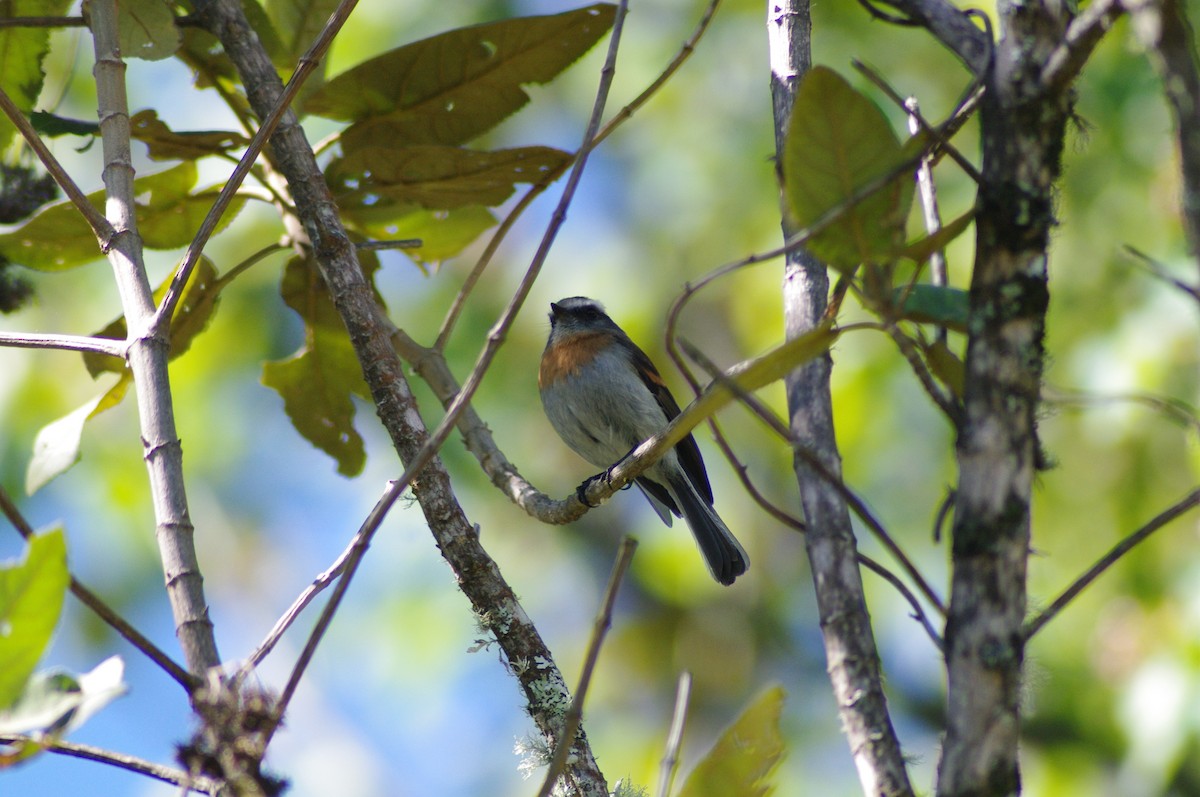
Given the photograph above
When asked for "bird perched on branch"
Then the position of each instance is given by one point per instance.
(604, 397)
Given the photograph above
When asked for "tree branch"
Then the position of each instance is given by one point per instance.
(1179, 508)
(851, 655)
(147, 357)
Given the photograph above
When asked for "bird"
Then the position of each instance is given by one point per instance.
(604, 397)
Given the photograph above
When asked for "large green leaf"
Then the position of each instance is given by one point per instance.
(21, 52)
(31, 599)
(316, 383)
(452, 87)
(838, 142)
(168, 215)
(437, 177)
(743, 758)
(192, 314)
(146, 29)
(443, 233)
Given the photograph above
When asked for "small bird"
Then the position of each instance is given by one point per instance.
(604, 398)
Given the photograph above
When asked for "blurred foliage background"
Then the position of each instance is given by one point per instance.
(395, 704)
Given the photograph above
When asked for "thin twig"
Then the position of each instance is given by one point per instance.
(685, 52)
(574, 715)
(36, 340)
(1160, 271)
(670, 759)
(856, 504)
(102, 609)
(307, 64)
(357, 545)
(918, 612)
(1188, 502)
(358, 548)
(130, 763)
(43, 22)
(100, 225)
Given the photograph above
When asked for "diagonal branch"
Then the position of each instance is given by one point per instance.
(1179, 508)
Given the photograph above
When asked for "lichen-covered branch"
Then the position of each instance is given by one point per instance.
(370, 333)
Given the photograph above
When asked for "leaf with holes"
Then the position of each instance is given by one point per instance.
(838, 142)
(443, 233)
(450, 88)
(146, 29)
(437, 177)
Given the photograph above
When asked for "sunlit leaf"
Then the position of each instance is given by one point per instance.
(743, 758)
(56, 447)
(452, 87)
(31, 598)
(22, 49)
(57, 702)
(316, 383)
(146, 29)
(192, 314)
(838, 141)
(437, 177)
(168, 215)
(166, 144)
(934, 304)
(443, 233)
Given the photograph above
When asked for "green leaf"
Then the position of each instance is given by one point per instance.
(838, 141)
(165, 144)
(57, 702)
(443, 233)
(192, 314)
(21, 52)
(317, 382)
(52, 126)
(56, 447)
(31, 598)
(437, 177)
(934, 304)
(923, 248)
(743, 758)
(452, 87)
(297, 23)
(168, 215)
(146, 29)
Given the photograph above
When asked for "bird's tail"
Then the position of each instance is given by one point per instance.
(724, 555)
